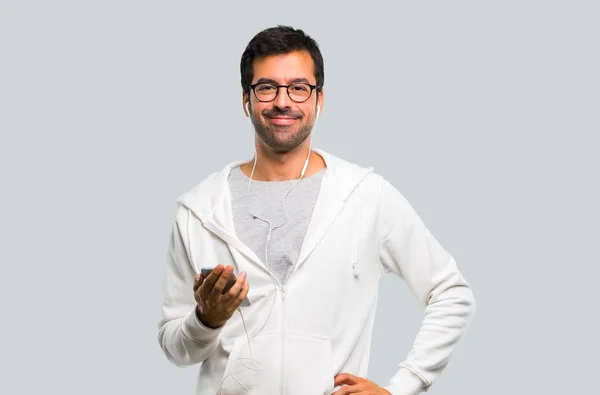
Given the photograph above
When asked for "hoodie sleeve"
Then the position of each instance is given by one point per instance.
(408, 249)
(182, 337)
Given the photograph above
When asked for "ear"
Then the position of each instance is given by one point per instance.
(246, 103)
(320, 102)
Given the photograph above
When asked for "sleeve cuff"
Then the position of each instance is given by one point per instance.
(405, 382)
(193, 328)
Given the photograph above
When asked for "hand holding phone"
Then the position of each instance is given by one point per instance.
(230, 280)
(230, 283)
(218, 293)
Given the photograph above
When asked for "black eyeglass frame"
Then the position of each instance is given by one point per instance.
(287, 89)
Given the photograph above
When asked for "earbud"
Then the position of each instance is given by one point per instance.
(318, 110)
(304, 168)
(247, 110)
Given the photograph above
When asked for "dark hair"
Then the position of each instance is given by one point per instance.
(276, 41)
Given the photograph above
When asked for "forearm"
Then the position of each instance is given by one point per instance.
(405, 382)
(181, 335)
(445, 322)
(186, 341)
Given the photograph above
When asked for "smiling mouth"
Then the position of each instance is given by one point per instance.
(282, 120)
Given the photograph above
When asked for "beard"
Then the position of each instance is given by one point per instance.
(282, 138)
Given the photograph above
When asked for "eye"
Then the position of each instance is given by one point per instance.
(265, 88)
(300, 88)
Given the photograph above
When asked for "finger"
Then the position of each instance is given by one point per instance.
(347, 389)
(198, 280)
(222, 281)
(245, 290)
(242, 295)
(236, 289)
(346, 378)
(209, 282)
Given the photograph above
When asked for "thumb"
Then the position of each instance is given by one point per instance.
(345, 378)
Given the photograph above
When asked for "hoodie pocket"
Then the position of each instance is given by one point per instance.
(309, 365)
(297, 364)
(254, 368)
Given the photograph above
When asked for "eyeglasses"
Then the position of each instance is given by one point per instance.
(298, 92)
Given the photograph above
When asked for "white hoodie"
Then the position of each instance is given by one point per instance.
(319, 323)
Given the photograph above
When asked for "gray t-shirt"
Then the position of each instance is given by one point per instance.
(255, 211)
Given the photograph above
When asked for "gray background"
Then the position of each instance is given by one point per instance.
(484, 114)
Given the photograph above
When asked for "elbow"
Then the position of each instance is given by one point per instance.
(176, 358)
(464, 297)
(457, 290)
(173, 350)
(467, 298)
(457, 299)
(180, 362)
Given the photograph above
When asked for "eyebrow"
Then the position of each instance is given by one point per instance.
(269, 80)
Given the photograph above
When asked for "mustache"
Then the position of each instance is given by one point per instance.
(273, 113)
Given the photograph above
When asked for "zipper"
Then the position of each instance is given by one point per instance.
(231, 241)
(281, 286)
(284, 342)
(284, 312)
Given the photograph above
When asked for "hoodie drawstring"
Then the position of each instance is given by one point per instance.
(357, 241)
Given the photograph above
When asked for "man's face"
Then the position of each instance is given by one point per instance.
(283, 124)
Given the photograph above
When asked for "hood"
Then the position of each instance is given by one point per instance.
(210, 200)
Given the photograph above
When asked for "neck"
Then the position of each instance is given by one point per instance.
(273, 166)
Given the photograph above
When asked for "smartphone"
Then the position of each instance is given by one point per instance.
(230, 282)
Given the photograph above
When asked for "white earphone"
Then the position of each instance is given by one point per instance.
(310, 148)
(257, 363)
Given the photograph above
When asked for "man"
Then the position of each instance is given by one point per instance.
(307, 236)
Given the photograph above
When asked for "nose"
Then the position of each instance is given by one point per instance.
(282, 100)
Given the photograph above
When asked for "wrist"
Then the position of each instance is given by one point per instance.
(203, 320)
(197, 330)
